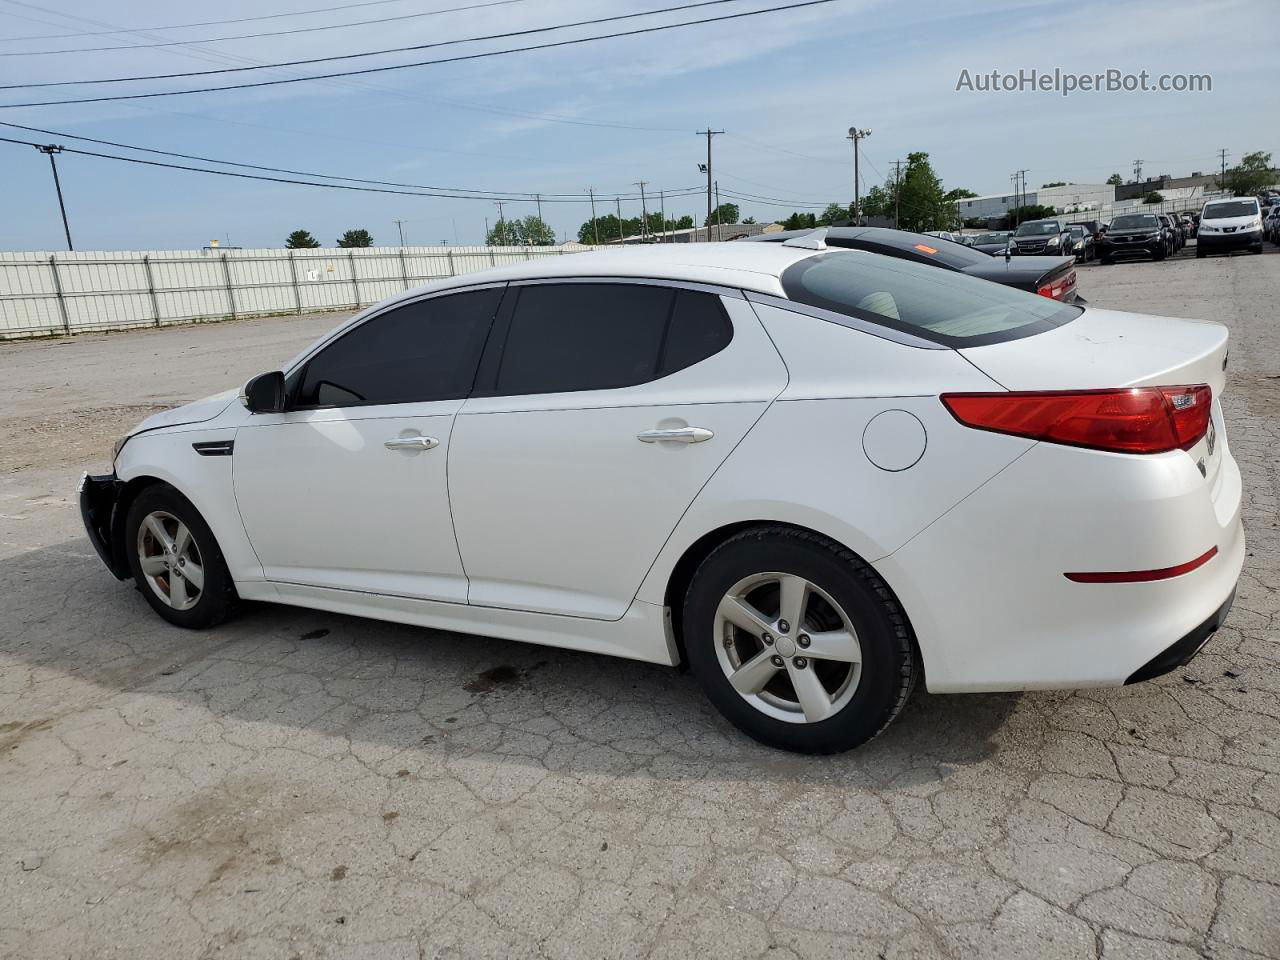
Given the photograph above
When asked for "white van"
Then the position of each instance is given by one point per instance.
(1227, 225)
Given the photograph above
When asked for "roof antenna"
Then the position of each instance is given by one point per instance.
(817, 240)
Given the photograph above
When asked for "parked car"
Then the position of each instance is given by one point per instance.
(1188, 226)
(1095, 227)
(1036, 237)
(1079, 243)
(1227, 225)
(943, 235)
(1053, 277)
(1271, 225)
(1172, 234)
(600, 452)
(1134, 235)
(992, 243)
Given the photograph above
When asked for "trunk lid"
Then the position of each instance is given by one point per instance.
(1104, 349)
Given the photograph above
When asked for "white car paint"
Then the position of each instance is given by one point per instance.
(542, 518)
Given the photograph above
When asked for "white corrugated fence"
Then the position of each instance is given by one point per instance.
(44, 294)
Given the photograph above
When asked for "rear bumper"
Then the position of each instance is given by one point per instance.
(1184, 650)
(99, 497)
(985, 585)
(1218, 242)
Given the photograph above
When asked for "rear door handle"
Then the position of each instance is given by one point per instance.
(678, 434)
(412, 443)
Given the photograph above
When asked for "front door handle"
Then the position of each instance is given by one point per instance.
(412, 443)
(678, 434)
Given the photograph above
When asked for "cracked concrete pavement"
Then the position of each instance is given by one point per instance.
(305, 785)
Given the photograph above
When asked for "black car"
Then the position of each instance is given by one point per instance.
(1134, 235)
(991, 243)
(1079, 243)
(1172, 232)
(1040, 237)
(1094, 227)
(1053, 277)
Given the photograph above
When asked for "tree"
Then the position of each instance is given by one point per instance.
(800, 221)
(1155, 196)
(1249, 176)
(877, 203)
(355, 238)
(960, 193)
(922, 204)
(530, 231)
(1115, 180)
(301, 240)
(748, 219)
(834, 212)
(725, 213)
(1056, 183)
(1030, 211)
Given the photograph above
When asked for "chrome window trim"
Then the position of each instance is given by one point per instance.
(853, 323)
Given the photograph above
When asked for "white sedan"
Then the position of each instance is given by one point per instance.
(814, 476)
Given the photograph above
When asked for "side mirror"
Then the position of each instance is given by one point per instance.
(264, 393)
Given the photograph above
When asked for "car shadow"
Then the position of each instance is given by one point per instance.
(414, 693)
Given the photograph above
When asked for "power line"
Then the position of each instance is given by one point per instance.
(311, 183)
(308, 173)
(255, 36)
(421, 63)
(367, 53)
(201, 23)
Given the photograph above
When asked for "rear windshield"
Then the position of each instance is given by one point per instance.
(1134, 222)
(940, 305)
(1231, 208)
(991, 238)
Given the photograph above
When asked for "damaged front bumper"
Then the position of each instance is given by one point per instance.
(99, 497)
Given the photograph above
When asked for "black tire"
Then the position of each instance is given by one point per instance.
(1257, 249)
(217, 597)
(1106, 261)
(1159, 255)
(889, 661)
(1200, 254)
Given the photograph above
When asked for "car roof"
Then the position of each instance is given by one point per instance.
(755, 266)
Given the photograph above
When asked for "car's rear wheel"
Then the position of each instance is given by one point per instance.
(797, 641)
(176, 561)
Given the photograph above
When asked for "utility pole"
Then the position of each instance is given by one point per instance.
(51, 149)
(400, 226)
(502, 224)
(1221, 182)
(1137, 171)
(856, 135)
(1023, 175)
(662, 204)
(622, 234)
(708, 133)
(719, 235)
(595, 224)
(538, 196)
(1014, 178)
(644, 210)
(897, 191)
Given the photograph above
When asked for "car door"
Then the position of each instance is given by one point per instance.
(347, 488)
(601, 409)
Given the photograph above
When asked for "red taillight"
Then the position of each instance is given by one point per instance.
(1057, 289)
(1144, 576)
(1131, 420)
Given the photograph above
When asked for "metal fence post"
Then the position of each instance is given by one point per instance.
(57, 289)
(355, 283)
(452, 270)
(297, 293)
(151, 289)
(404, 269)
(493, 260)
(231, 294)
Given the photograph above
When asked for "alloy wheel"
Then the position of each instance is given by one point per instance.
(170, 560)
(787, 647)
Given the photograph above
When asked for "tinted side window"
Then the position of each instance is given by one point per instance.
(602, 336)
(422, 351)
(699, 328)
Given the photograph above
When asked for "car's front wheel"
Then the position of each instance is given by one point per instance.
(176, 561)
(797, 641)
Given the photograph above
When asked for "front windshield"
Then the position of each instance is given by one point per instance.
(1135, 221)
(941, 305)
(1231, 208)
(1038, 228)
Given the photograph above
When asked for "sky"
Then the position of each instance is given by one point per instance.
(784, 86)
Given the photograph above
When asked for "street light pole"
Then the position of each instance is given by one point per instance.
(51, 149)
(644, 210)
(595, 224)
(708, 133)
(400, 226)
(856, 135)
